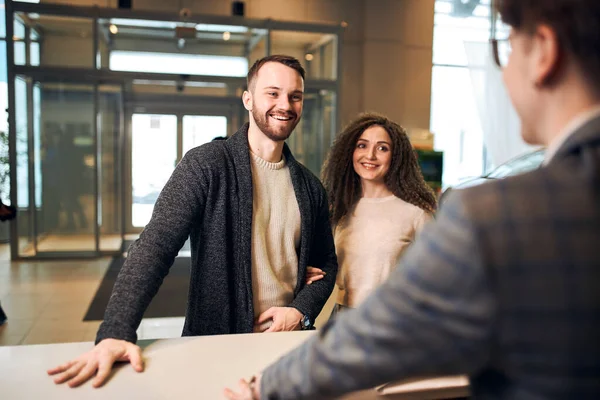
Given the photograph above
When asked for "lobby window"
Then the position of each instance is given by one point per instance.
(455, 119)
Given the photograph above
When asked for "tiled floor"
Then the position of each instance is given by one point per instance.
(76, 242)
(46, 300)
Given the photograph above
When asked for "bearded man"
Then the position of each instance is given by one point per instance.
(256, 219)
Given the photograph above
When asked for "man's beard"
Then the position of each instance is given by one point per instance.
(275, 133)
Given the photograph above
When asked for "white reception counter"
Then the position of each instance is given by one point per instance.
(186, 368)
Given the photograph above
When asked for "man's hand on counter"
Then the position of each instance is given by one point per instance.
(100, 359)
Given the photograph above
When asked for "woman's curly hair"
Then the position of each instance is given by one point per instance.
(404, 178)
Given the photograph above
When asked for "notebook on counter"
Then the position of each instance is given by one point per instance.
(438, 387)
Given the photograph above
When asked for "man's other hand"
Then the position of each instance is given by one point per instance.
(284, 319)
(100, 359)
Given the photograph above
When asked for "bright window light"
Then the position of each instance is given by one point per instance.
(173, 63)
(143, 23)
(221, 28)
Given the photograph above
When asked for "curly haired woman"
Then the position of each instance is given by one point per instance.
(378, 202)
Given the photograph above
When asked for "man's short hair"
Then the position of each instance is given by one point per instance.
(575, 22)
(288, 61)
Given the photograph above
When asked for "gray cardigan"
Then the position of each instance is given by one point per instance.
(209, 199)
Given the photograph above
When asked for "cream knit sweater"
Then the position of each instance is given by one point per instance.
(370, 242)
(275, 235)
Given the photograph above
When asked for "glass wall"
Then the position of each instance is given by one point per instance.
(316, 130)
(41, 40)
(26, 233)
(180, 47)
(110, 134)
(316, 51)
(4, 167)
(4, 135)
(101, 93)
(68, 167)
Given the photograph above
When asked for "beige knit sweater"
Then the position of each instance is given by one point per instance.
(275, 236)
(370, 242)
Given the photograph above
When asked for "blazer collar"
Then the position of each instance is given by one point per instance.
(587, 134)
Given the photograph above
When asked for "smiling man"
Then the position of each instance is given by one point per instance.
(256, 219)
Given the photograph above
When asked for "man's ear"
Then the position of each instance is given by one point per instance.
(247, 100)
(547, 50)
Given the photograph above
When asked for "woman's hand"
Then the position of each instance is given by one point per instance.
(314, 274)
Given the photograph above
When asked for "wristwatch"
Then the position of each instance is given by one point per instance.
(305, 323)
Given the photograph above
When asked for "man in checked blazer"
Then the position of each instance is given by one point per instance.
(505, 285)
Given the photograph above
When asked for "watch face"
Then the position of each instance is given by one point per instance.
(305, 322)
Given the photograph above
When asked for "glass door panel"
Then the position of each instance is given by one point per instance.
(201, 129)
(314, 135)
(24, 219)
(110, 121)
(65, 201)
(153, 158)
(64, 186)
